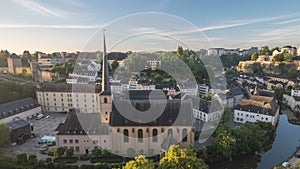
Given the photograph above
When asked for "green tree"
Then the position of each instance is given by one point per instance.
(32, 160)
(22, 158)
(4, 135)
(265, 50)
(179, 51)
(179, 158)
(59, 151)
(69, 152)
(208, 96)
(139, 162)
(96, 152)
(287, 57)
(226, 141)
(254, 56)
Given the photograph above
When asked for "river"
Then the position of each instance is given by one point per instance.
(285, 144)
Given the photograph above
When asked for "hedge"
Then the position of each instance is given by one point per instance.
(65, 159)
(111, 159)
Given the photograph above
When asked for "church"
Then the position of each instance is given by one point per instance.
(128, 127)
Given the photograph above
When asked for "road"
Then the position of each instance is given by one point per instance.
(17, 80)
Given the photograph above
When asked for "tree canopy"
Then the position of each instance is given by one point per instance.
(139, 162)
(179, 158)
(4, 135)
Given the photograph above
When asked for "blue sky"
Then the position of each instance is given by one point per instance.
(74, 25)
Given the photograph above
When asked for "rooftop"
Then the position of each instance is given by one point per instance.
(64, 87)
(15, 124)
(141, 113)
(82, 124)
(16, 107)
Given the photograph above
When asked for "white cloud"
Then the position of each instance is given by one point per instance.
(3, 26)
(288, 21)
(32, 5)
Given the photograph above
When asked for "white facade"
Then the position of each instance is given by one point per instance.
(241, 116)
(295, 92)
(64, 101)
(216, 51)
(205, 116)
(91, 75)
(83, 144)
(203, 89)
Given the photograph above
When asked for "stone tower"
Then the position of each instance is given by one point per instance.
(13, 61)
(105, 95)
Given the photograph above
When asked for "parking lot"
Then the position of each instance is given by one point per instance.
(41, 127)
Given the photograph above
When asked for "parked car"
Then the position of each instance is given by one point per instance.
(38, 117)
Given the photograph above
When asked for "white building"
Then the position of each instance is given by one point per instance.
(293, 101)
(90, 75)
(61, 97)
(203, 89)
(216, 51)
(93, 66)
(207, 111)
(291, 50)
(188, 88)
(47, 62)
(257, 108)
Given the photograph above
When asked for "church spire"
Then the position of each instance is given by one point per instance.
(105, 69)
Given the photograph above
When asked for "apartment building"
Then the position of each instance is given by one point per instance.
(61, 97)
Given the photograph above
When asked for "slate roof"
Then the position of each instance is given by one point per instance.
(16, 107)
(205, 105)
(139, 113)
(82, 124)
(297, 98)
(64, 87)
(17, 124)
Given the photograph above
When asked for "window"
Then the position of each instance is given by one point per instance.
(105, 100)
(77, 148)
(76, 141)
(126, 138)
(71, 141)
(65, 141)
(154, 135)
(170, 132)
(184, 135)
(140, 135)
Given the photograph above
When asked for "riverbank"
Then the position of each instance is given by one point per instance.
(294, 160)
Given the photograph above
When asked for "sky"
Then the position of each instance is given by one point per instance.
(146, 25)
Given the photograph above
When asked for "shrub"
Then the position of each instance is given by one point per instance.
(48, 160)
(65, 159)
(59, 151)
(50, 153)
(69, 152)
(32, 159)
(101, 166)
(96, 152)
(85, 166)
(111, 159)
(84, 158)
(22, 158)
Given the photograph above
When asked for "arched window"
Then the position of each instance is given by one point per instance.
(154, 135)
(126, 138)
(105, 100)
(140, 135)
(170, 132)
(184, 135)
